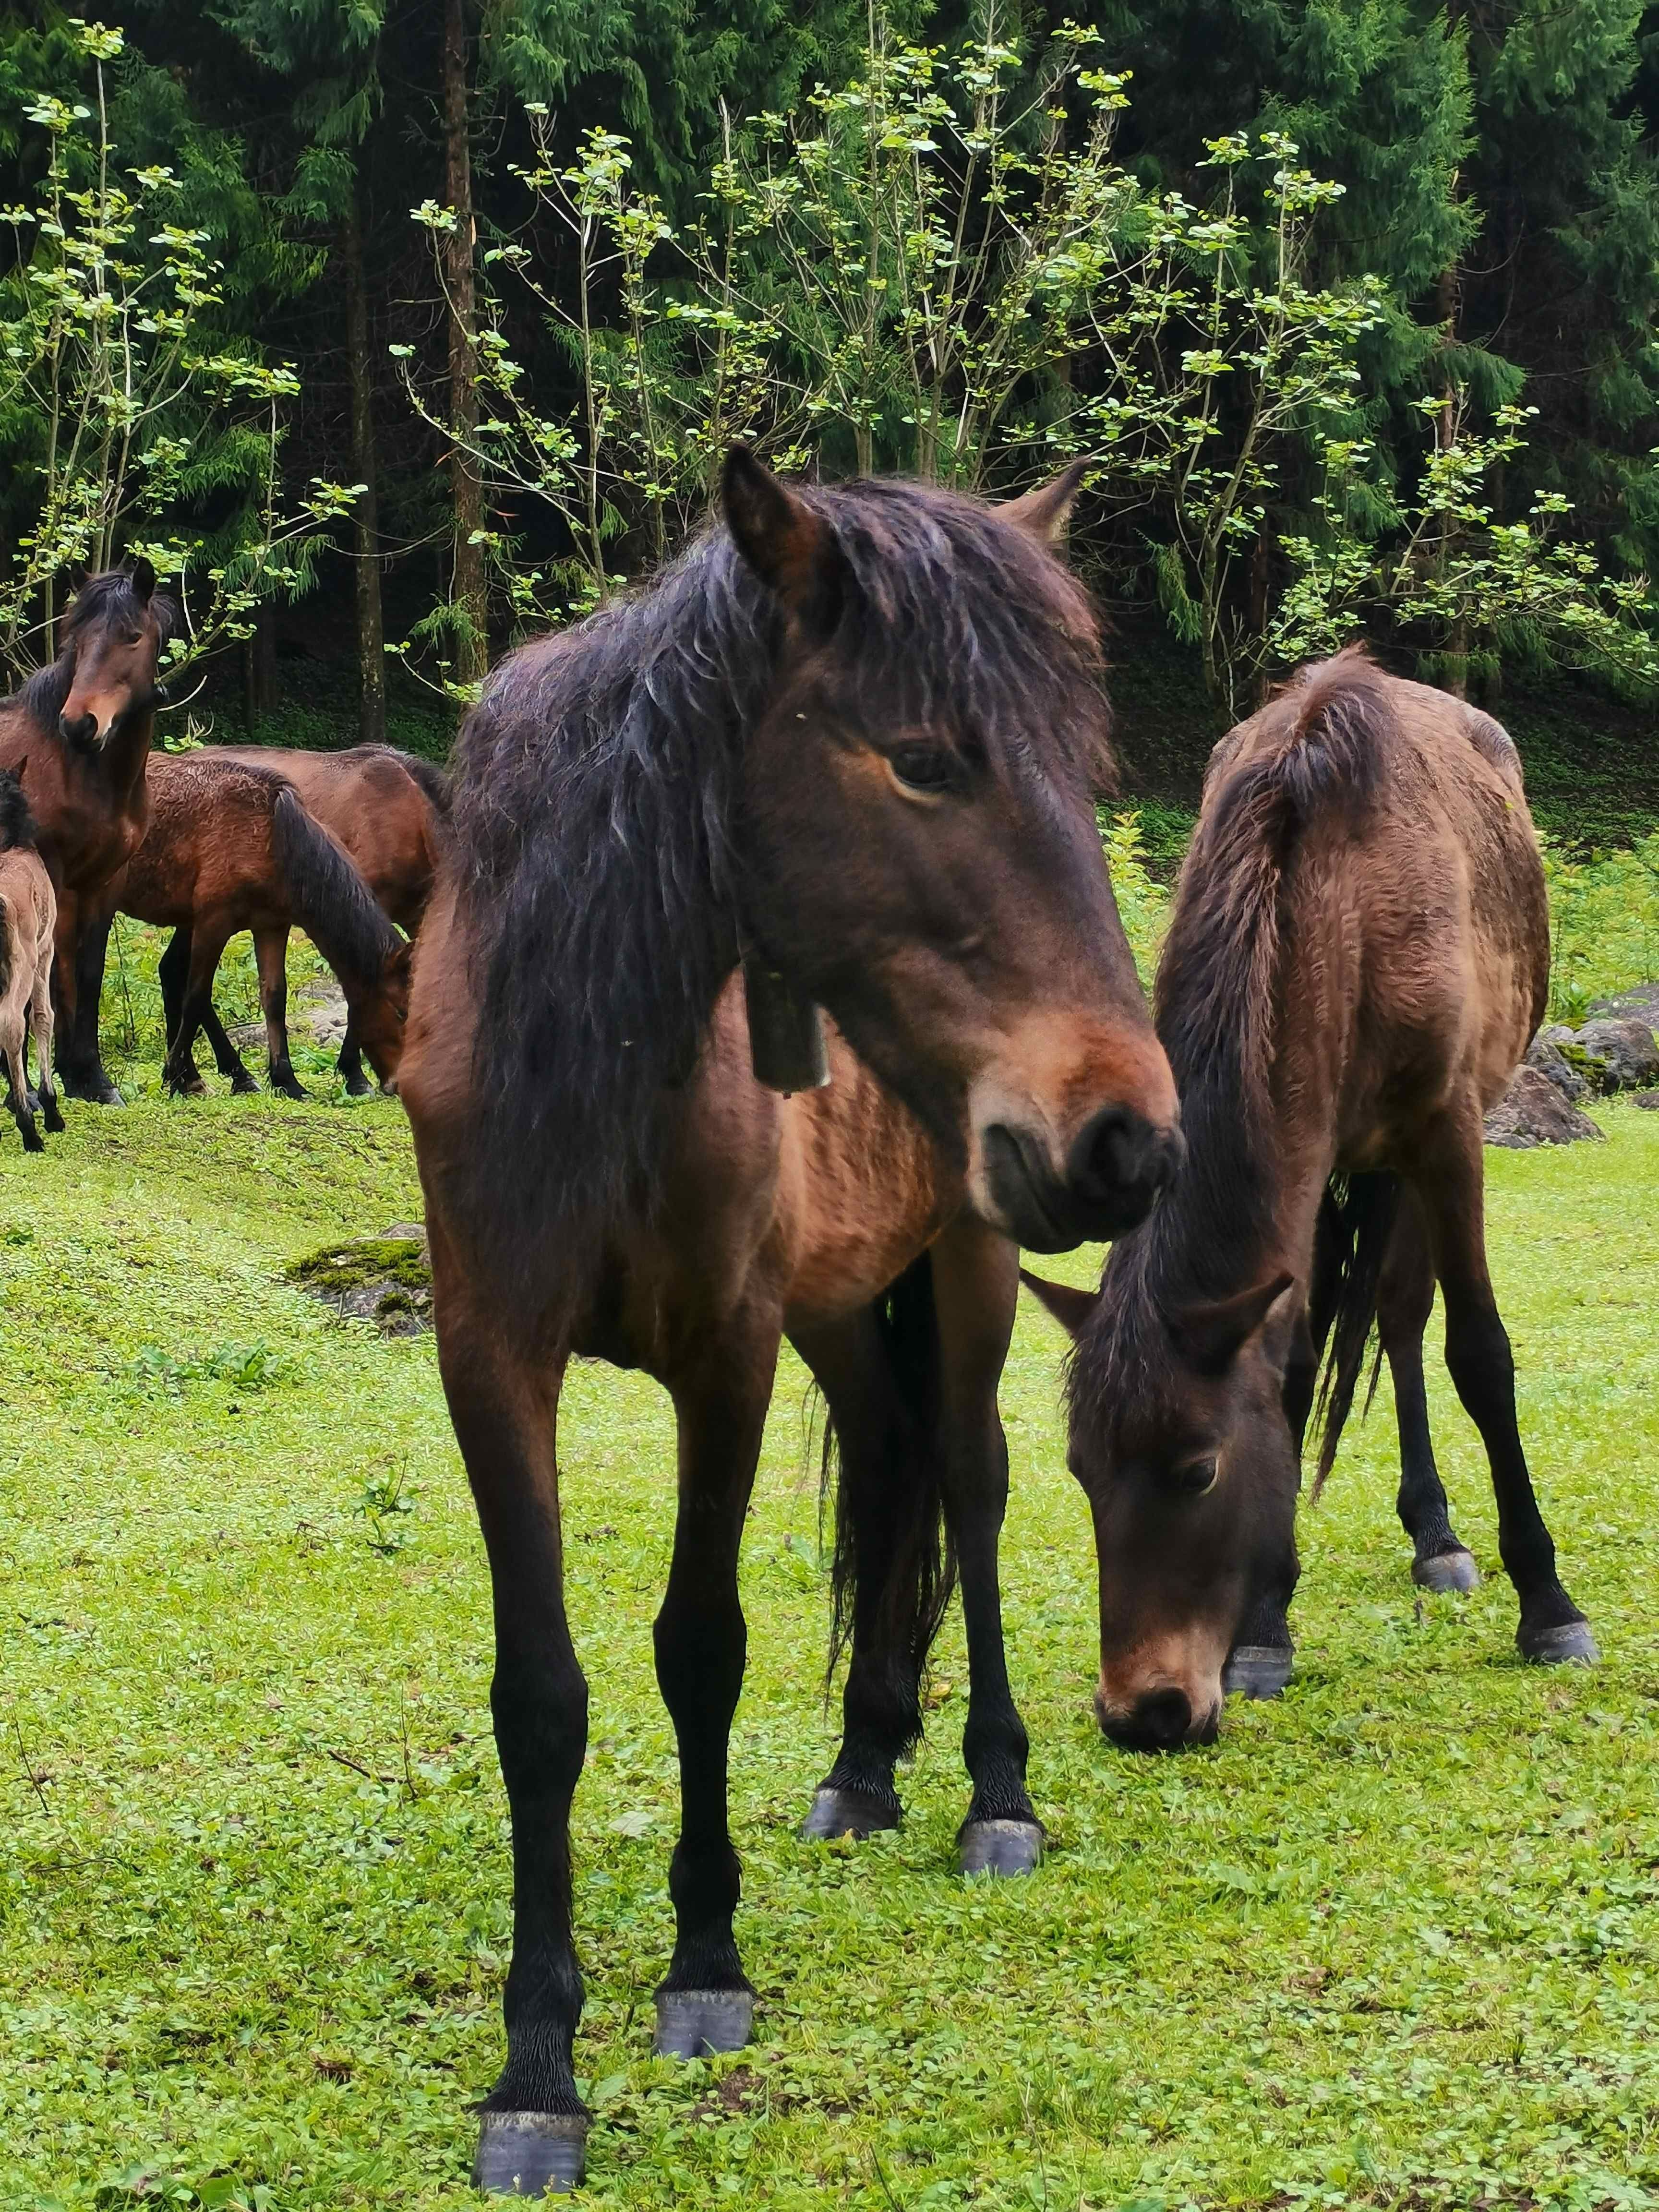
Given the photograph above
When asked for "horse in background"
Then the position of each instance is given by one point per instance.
(84, 725)
(1357, 956)
(28, 922)
(388, 811)
(843, 753)
(231, 847)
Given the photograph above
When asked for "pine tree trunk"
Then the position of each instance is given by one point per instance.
(366, 525)
(466, 493)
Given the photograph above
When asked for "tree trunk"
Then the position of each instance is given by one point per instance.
(366, 525)
(1454, 673)
(466, 493)
(259, 667)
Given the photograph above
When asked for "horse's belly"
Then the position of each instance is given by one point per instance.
(862, 1192)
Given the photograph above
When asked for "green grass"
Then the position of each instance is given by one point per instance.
(1393, 1941)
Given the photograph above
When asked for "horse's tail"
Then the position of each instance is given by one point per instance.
(1360, 1219)
(331, 900)
(921, 1568)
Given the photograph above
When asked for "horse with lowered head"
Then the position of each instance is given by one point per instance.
(1357, 956)
(229, 847)
(841, 754)
(84, 725)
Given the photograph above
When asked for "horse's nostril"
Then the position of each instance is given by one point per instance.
(1119, 1152)
(1161, 1718)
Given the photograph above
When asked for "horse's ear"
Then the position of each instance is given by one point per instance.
(1070, 1307)
(1211, 1337)
(141, 574)
(792, 549)
(1045, 512)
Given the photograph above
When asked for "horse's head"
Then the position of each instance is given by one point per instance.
(1179, 1440)
(380, 1012)
(920, 850)
(112, 637)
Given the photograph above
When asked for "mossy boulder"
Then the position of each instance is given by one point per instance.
(385, 1278)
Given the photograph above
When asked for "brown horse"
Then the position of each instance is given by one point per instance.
(230, 847)
(28, 922)
(388, 811)
(84, 725)
(1357, 956)
(848, 741)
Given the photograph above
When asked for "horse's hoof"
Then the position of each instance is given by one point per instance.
(1257, 1671)
(1447, 1571)
(184, 1086)
(54, 1122)
(847, 1813)
(525, 2153)
(32, 1141)
(702, 2023)
(1561, 1646)
(244, 1086)
(359, 1086)
(1000, 1847)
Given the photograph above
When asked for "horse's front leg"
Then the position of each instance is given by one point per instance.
(503, 1397)
(975, 1290)
(706, 2004)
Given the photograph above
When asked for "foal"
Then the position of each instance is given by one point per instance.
(1357, 956)
(846, 742)
(28, 919)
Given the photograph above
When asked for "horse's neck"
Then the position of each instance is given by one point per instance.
(125, 761)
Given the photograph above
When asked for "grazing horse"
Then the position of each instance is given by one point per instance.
(841, 754)
(231, 847)
(388, 810)
(84, 725)
(28, 922)
(1357, 956)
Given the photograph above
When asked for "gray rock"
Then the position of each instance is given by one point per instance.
(1625, 1044)
(1547, 1059)
(1642, 999)
(1532, 1112)
(1650, 1098)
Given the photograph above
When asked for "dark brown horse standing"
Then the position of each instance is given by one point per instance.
(387, 811)
(84, 725)
(230, 847)
(849, 741)
(1357, 956)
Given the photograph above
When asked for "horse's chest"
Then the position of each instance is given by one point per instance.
(860, 1193)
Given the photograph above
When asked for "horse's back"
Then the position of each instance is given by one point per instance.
(377, 808)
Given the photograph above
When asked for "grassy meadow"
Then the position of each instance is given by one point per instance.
(1392, 1941)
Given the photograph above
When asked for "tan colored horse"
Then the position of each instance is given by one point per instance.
(28, 922)
(1357, 956)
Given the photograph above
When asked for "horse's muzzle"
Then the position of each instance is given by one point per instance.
(1159, 1720)
(1119, 1166)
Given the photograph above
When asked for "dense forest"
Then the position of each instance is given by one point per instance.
(390, 328)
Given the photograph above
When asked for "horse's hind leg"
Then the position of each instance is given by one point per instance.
(42, 1022)
(879, 1539)
(503, 1400)
(1449, 1183)
(975, 1292)
(1405, 1298)
(270, 951)
(173, 974)
(706, 2003)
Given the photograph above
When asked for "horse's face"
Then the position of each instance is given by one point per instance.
(1192, 1477)
(115, 655)
(954, 916)
(379, 1017)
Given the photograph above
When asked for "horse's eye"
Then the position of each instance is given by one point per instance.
(930, 770)
(1194, 1478)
